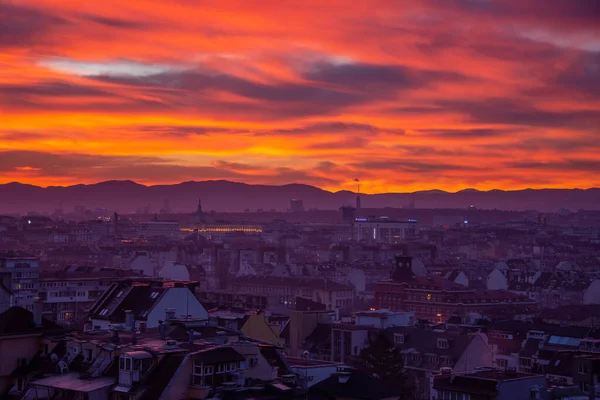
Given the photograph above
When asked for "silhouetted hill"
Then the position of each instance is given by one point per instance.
(127, 196)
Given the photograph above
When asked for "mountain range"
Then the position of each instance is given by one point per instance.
(128, 196)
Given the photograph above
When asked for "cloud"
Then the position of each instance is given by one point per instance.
(566, 165)
(376, 78)
(21, 25)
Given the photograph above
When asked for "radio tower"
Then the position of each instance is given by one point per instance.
(357, 193)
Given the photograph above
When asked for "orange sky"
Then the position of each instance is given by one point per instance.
(404, 95)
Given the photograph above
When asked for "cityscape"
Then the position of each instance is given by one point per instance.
(263, 200)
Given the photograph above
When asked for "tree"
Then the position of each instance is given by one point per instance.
(384, 361)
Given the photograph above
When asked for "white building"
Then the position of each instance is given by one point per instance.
(383, 230)
(19, 278)
(144, 304)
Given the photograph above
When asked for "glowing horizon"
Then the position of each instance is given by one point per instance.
(404, 95)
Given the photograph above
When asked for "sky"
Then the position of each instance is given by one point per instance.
(402, 95)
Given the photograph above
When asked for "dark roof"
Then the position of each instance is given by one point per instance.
(521, 328)
(274, 281)
(162, 375)
(425, 341)
(121, 297)
(531, 348)
(359, 385)
(322, 332)
(17, 320)
(561, 363)
(218, 355)
(275, 358)
(465, 384)
(303, 304)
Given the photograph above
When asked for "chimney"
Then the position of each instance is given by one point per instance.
(162, 329)
(38, 307)
(115, 337)
(129, 320)
(170, 313)
(191, 337)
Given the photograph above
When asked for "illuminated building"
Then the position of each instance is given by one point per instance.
(216, 230)
(437, 299)
(383, 230)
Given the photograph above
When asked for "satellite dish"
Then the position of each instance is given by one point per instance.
(54, 358)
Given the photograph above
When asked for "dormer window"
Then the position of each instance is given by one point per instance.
(399, 338)
(442, 343)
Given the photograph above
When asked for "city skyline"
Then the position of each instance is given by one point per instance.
(404, 96)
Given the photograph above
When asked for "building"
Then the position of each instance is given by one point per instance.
(183, 360)
(144, 304)
(212, 231)
(348, 340)
(437, 299)
(333, 294)
(383, 230)
(19, 284)
(488, 384)
(159, 228)
(352, 384)
(68, 294)
(314, 371)
(24, 336)
(428, 351)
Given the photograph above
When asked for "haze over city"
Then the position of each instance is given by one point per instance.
(403, 95)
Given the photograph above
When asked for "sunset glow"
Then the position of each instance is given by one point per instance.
(404, 95)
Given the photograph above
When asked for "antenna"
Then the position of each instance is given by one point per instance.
(357, 193)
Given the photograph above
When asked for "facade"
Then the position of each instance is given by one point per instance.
(427, 352)
(159, 228)
(19, 278)
(23, 336)
(69, 294)
(438, 299)
(383, 230)
(143, 304)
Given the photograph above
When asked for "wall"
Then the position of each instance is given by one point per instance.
(13, 348)
(263, 370)
(315, 374)
(592, 293)
(496, 280)
(477, 354)
(257, 327)
(175, 272)
(301, 325)
(142, 262)
(178, 386)
(507, 390)
(182, 300)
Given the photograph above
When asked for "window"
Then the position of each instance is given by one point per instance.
(502, 363)
(432, 359)
(582, 369)
(154, 295)
(399, 338)
(442, 343)
(104, 312)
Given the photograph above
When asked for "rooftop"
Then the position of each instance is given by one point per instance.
(71, 381)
